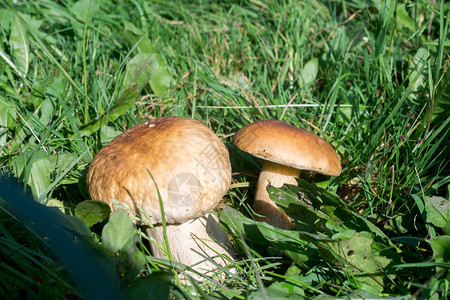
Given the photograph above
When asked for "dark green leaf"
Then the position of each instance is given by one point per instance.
(154, 286)
(92, 211)
(311, 203)
(292, 243)
(135, 261)
(68, 238)
(279, 290)
(238, 224)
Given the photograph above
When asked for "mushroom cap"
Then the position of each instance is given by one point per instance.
(189, 163)
(287, 145)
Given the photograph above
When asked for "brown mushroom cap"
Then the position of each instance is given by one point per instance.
(288, 145)
(189, 163)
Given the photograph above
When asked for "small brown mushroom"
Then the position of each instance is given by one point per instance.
(285, 150)
(192, 172)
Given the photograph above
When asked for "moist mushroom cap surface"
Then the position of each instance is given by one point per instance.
(189, 163)
(288, 145)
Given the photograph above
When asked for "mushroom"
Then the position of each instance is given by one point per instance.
(191, 172)
(285, 150)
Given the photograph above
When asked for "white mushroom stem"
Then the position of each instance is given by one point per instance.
(276, 175)
(189, 239)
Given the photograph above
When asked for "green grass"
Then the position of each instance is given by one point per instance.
(371, 77)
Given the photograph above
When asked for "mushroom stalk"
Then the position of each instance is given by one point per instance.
(276, 175)
(193, 243)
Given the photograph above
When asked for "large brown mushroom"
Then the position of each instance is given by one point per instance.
(192, 172)
(285, 150)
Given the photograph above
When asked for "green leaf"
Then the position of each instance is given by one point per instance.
(292, 243)
(417, 67)
(344, 235)
(309, 72)
(311, 207)
(446, 228)
(7, 114)
(6, 17)
(35, 169)
(438, 211)
(125, 101)
(140, 70)
(92, 211)
(360, 256)
(279, 290)
(160, 80)
(403, 18)
(135, 261)
(119, 234)
(238, 224)
(81, 8)
(19, 46)
(7, 120)
(441, 248)
(316, 275)
(154, 286)
(107, 133)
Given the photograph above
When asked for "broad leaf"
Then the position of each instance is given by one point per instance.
(417, 67)
(7, 120)
(308, 203)
(119, 238)
(403, 18)
(161, 79)
(438, 211)
(358, 255)
(294, 244)
(140, 69)
(154, 286)
(238, 224)
(278, 290)
(441, 249)
(309, 72)
(35, 169)
(19, 46)
(119, 234)
(92, 211)
(107, 133)
(82, 7)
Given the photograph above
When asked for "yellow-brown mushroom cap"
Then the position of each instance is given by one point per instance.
(287, 145)
(189, 163)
